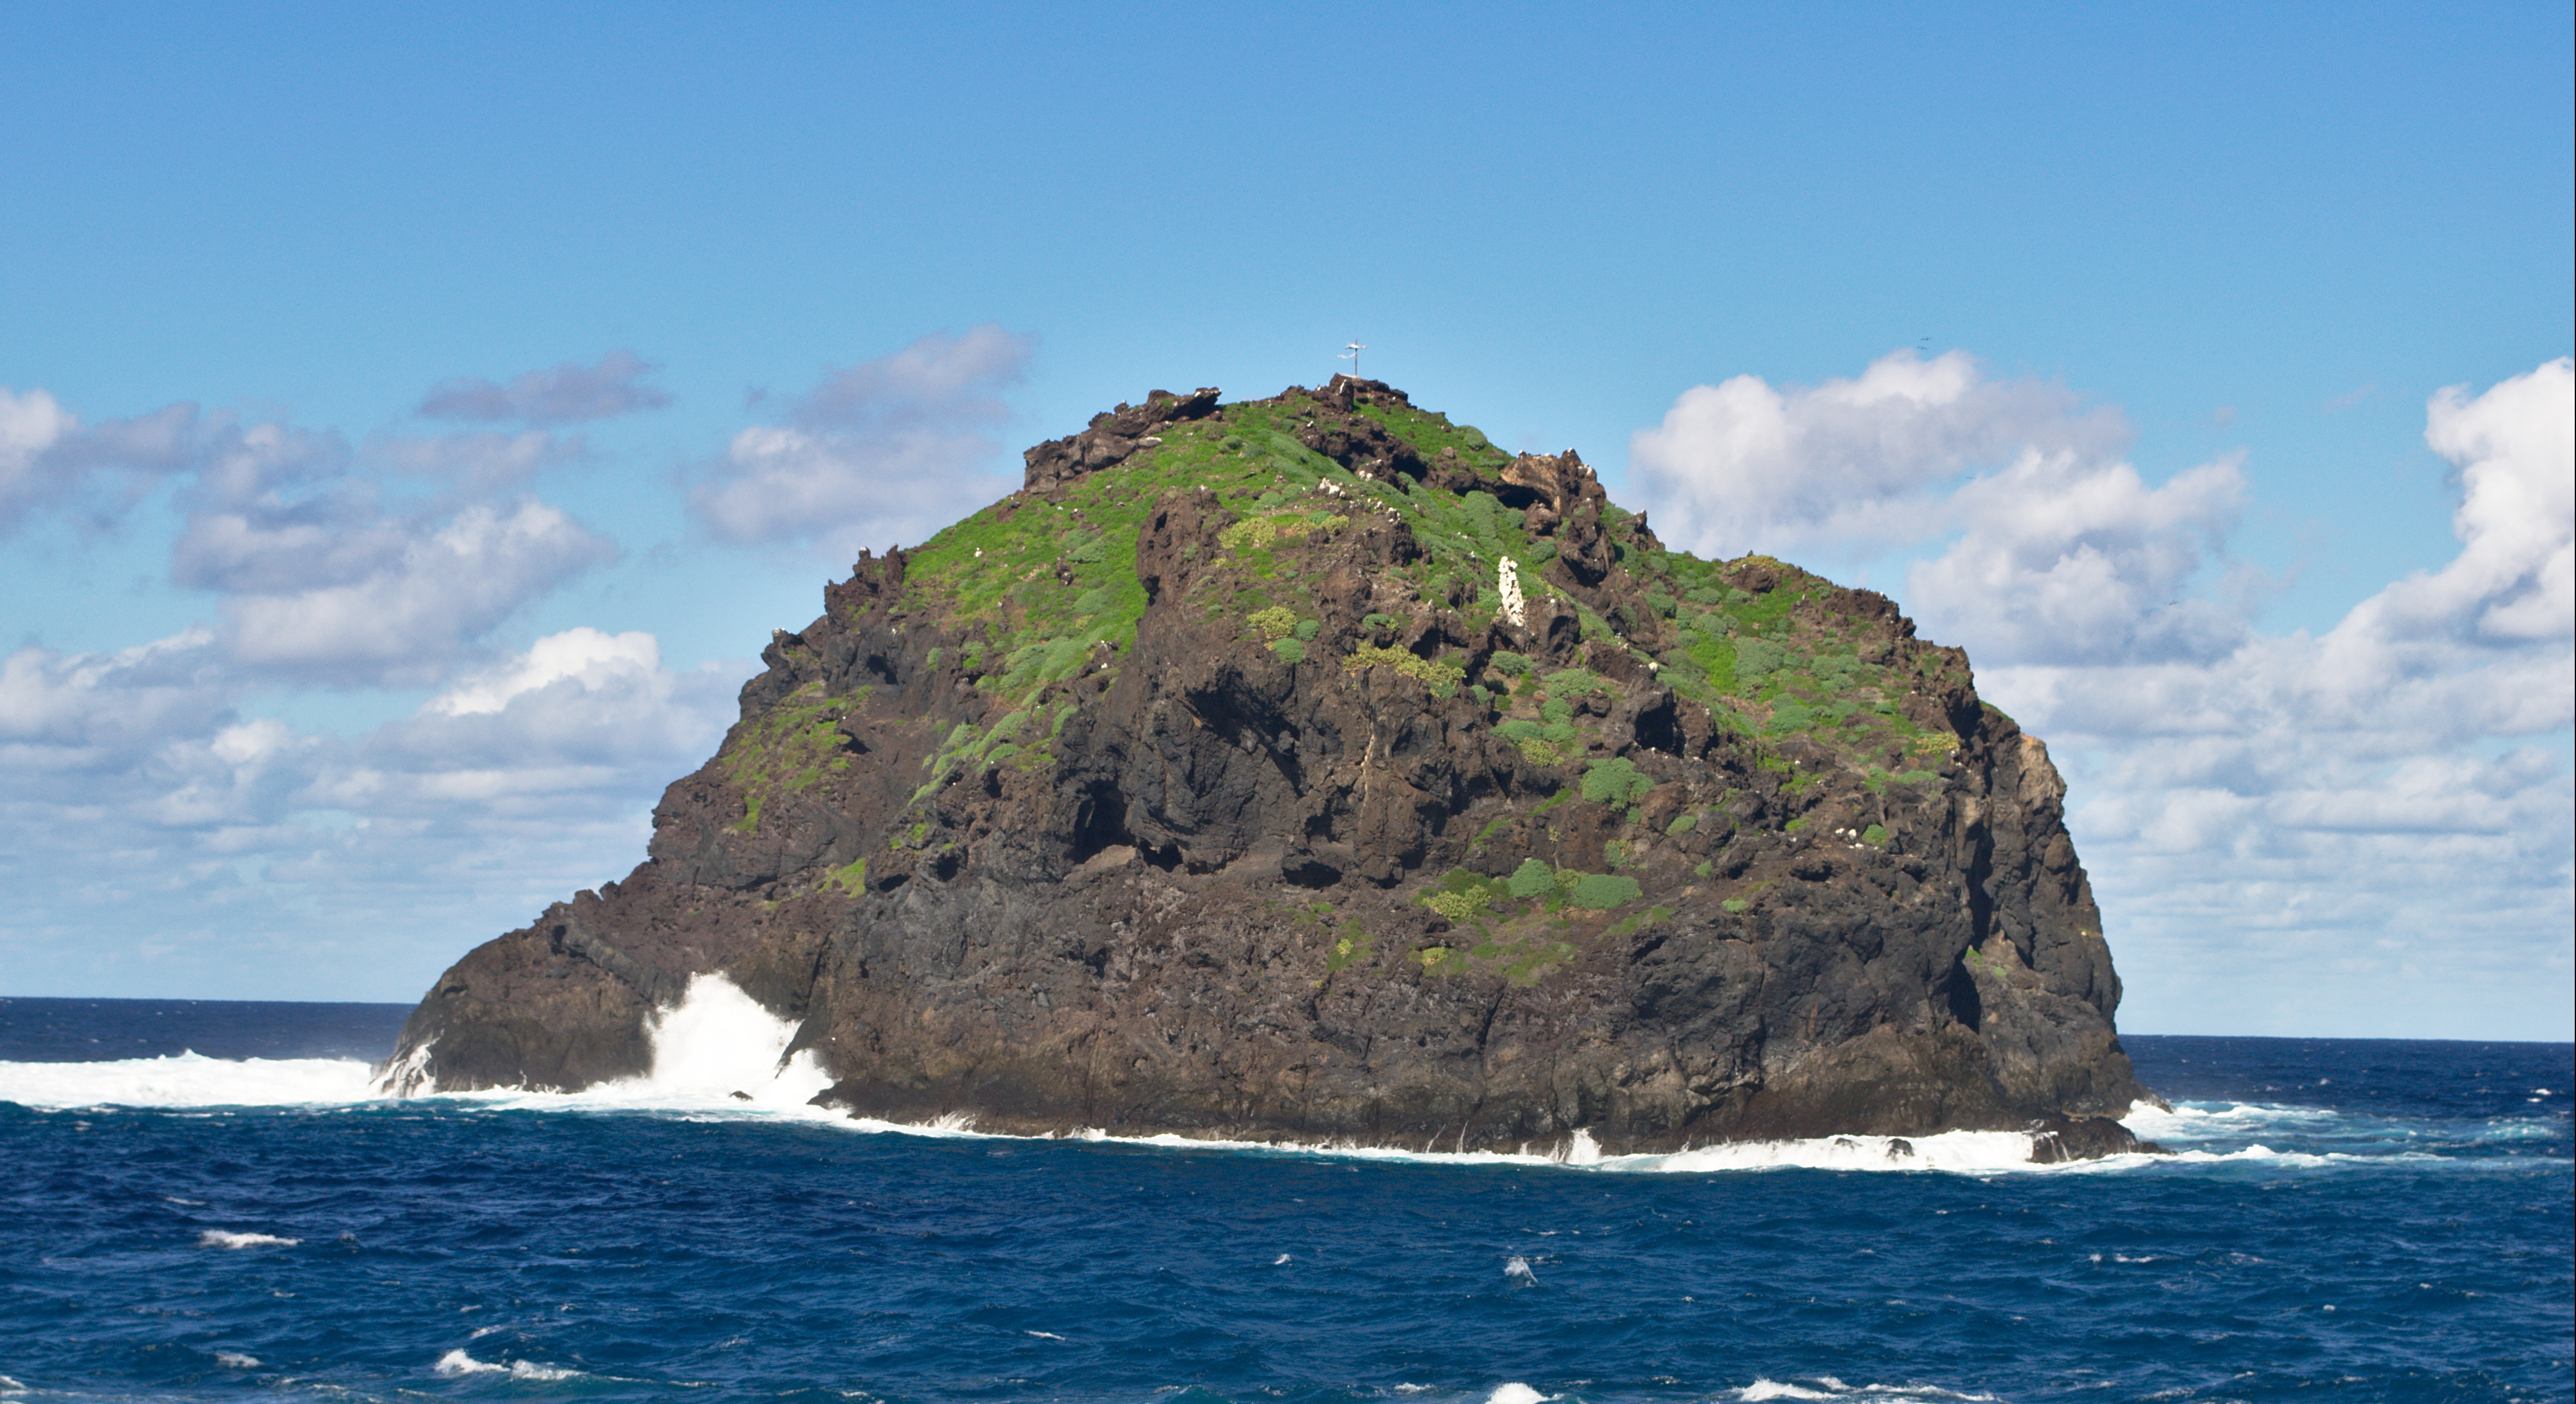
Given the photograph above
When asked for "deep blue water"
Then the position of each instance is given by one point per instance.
(2403, 1233)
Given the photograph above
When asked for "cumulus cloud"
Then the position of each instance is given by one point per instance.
(149, 812)
(1744, 466)
(419, 598)
(2290, 833)
(566, 394)
(2064, 559)
(50, 461)
(879, 453)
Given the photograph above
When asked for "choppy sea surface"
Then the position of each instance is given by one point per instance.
(208, 1201)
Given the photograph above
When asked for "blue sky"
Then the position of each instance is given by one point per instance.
(2233, 254)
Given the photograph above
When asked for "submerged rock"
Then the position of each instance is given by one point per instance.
(1308, 768)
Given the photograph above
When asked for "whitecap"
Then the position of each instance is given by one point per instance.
(1046, 1335)
(225, 1238)
(457, 1362)
(1828, 1387)
(235, 1360)
(1518, 1270)
(1514, 1392)
(186, 1080)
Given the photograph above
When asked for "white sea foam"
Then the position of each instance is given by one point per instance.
(719, 1054)
(2201, 1121)
(716, 1042)
(186, 1080)
(1514, 1392)
(1827, 1387)
(222, 1238)
(1518, 1270)
(235, 1360)
(457, 1362)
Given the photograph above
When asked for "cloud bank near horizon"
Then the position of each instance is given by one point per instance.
(169, 836)
(2279, 821)
(2275, 821)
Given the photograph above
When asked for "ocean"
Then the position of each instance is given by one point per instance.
(207, 1201)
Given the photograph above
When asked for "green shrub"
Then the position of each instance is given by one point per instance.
(1616, 781)
(1289, 649)
(1681, 826)
(1507, 662)
(1875, 836)
(1531, 739)
(1274, 623)
(1736, 905)
(1556, 712)
(1442, 678)
(1249, 534)
(1602, 891)
(1531, 879)
(1306, 629)
(1457, 906)
(1758, 658)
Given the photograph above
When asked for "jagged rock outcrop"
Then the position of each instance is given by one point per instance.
(1205, 785)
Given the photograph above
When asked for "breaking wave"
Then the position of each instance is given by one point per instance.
(1827, 1387)
(457, 1362)
(719, 1054)
(222, 1238)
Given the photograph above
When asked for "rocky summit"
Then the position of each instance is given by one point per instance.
(1309, 769)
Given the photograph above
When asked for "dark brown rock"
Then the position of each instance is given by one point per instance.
(1183, 878)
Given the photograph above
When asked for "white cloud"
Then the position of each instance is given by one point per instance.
(2061, 558)
(148, 811)
(881, 453)
(1743, 466)
(566, 394)
(2364, 831)
(50, 461)
(587, 657)
(402, 607)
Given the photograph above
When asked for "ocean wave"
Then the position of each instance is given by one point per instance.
(187, 1080)
(225, 1238)
(1828, 1387)
(457, 1362)
(718, 1055)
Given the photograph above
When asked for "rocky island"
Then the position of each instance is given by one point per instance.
(1309, 769)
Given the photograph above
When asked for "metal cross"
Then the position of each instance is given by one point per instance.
(1351, 353)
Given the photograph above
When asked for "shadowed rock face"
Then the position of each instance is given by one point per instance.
(1207, 785)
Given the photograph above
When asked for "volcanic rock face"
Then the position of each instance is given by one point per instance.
(1205, 786)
